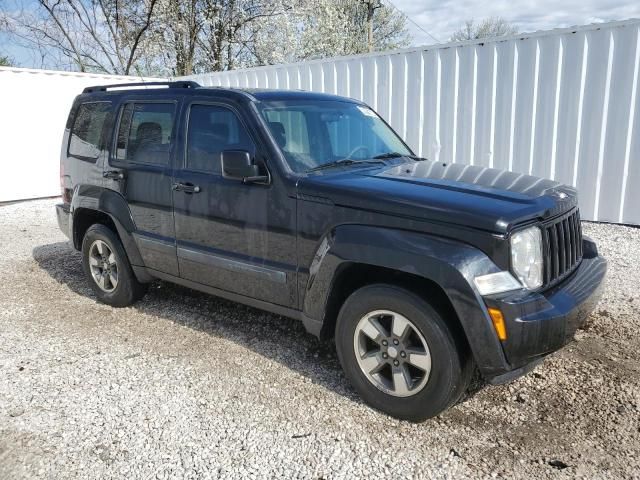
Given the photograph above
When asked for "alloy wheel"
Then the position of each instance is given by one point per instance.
(392, 353)
(103, 265)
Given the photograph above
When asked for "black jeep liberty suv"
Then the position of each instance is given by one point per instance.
(310, 206)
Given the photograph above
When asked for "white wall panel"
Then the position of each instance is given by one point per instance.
(34, 105)
(562, 104)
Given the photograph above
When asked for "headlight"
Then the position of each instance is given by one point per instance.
(526, 256)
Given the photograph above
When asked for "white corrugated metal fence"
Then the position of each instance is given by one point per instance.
(34, 105)
(561, 104)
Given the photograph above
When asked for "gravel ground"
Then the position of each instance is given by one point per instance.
(184, 385)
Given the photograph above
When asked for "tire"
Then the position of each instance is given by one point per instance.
(419, 394)
(120, 287)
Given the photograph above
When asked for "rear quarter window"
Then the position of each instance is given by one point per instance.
(145, 133)
(86, 139)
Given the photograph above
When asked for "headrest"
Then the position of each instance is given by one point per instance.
(149, 132)
(277, 129)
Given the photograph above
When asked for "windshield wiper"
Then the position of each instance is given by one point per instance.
(397, 155)
(341, 162)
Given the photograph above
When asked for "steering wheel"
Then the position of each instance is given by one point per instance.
(356, 150)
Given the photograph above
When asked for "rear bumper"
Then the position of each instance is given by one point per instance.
(63, 214)
(539, 323)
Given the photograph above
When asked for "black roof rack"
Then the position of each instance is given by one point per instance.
(178, 84)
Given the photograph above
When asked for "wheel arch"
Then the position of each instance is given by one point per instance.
(352, 276)
(91, 205)
(83, 218)
(436, 269)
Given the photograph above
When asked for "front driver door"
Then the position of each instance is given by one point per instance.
(230, 235)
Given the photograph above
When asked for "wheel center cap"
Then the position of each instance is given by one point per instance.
(393, 353)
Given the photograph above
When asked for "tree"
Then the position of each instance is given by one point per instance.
(372, 6)
(178, 26)
(4, 60)
(489, 27)
(324, 28)
(232, 29)
(101, 35)
(182, 37)
(161, 37)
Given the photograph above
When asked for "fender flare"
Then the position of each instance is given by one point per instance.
(113, 204)
(450, 264)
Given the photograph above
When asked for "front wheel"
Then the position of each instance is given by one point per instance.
(400, 354)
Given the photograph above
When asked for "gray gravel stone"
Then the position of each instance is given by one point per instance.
(183, 385)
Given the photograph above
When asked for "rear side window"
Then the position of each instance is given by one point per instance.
(86, 133)
(212, 130)
(144, 133)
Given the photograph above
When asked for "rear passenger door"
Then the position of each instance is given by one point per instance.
(234, 236)
(140, 169)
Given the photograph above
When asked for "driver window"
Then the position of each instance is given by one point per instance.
(213, 129)
(289, 128)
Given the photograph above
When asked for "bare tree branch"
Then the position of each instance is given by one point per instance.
(181, 37)
(136, 42)
(489, 27)
(64, 32)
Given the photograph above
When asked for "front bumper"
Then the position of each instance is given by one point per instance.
(539, 323)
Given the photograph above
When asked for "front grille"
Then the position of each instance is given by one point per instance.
(562, 246)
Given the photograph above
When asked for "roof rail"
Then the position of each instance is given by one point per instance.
(178, 84)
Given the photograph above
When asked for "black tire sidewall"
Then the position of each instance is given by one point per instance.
(128, 289)
(447, 377)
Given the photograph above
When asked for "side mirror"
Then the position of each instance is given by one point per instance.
(237, 165)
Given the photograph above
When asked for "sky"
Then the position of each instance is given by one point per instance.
(441, 18)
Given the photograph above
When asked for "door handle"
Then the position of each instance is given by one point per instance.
(186, 187)
(113, 175)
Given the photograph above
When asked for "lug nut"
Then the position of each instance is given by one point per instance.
(384, 355)
(396, 363)
(385, 343)
(402, 354)
(395, 341)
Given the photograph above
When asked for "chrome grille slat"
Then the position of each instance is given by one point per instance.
(562, 246)
(569, 252)
(574, 240)
(547, 256)
(555, 265)
(567, 244)
(579, 235)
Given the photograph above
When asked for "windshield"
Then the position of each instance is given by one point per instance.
(317, 132)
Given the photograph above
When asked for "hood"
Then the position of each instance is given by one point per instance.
(479, 197)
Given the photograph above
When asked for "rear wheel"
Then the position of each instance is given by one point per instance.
(108, 269)
(400, 354)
